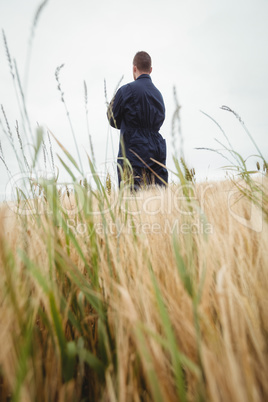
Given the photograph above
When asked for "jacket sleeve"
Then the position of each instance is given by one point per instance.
(115, 110)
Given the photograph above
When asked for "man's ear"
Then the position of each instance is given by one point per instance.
(134, 72)
(151, 70)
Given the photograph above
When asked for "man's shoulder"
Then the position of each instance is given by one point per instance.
(147, 85)
(124, 90)
(139, 86)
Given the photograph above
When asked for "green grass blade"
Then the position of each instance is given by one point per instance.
(39, 141)
(182, 269)
(173, 347)
(66, 168)
(35, 271)
(67, 153)
(22, 370)
(165, 343)
(92, 361)
(70, 361)
(150, 373)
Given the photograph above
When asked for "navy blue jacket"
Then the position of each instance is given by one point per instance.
(138, 110)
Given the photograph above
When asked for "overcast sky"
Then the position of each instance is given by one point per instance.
(214, 52)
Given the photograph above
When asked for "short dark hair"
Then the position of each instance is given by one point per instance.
(142, 61)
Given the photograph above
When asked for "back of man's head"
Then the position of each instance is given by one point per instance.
(143, 62)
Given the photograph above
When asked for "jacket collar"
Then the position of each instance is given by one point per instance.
(144, 76)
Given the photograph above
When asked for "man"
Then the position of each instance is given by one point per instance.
(138, 110)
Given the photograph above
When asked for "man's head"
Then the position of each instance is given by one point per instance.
(142, 64)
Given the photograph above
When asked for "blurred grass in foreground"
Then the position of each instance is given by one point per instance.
(157, 295)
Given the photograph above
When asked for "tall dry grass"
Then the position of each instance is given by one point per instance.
(162, 296)
(108, 295)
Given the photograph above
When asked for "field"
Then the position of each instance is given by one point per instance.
(112, 295)
(155, 296)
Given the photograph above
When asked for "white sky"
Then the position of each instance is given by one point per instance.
(213, 51)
